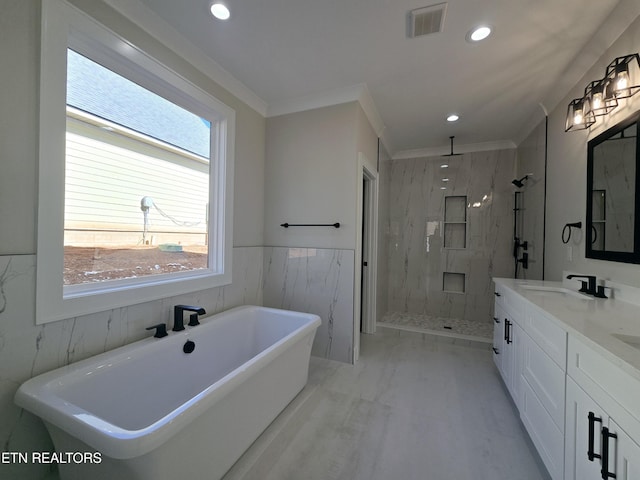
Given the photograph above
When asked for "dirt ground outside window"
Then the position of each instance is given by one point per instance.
(96, 264)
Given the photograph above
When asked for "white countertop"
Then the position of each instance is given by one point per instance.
(591, 320)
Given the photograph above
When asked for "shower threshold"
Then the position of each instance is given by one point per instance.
(447, 327)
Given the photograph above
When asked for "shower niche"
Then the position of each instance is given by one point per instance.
(455, 222)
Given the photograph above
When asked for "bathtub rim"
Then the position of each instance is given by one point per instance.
(39, 396)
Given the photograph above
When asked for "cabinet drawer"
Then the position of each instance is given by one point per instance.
(512, 303)
(545, 378)
(607, 383)
(548, 335)
(544, 433)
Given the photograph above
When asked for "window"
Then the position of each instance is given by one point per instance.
(135, 185)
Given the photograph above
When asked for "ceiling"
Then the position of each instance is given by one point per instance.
(284, 50)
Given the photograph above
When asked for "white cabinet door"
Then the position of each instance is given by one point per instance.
(546, 379)
(514, 349)
(584, 422)
(498, 337)
(624, 455)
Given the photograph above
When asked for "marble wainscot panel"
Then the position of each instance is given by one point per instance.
(27, 349)
(316, 281)
(480, 233)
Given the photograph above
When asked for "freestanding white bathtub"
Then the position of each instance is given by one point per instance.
(156, 412)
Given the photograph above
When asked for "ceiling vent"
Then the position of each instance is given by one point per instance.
(427, 20)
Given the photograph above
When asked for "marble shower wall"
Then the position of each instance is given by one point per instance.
(418, 259)
(315, 280)
(27, 349)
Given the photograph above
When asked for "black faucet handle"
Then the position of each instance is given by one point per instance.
(193, 320)
(161, 330)
(600, 292)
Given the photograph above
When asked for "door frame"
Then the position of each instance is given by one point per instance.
(366, 172)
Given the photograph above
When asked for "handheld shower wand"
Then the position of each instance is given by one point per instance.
(520, 183)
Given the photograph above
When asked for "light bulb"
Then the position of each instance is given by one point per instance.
(622, 81)
(577, 117)
(478, 33)
(596, 101)
(220, 11)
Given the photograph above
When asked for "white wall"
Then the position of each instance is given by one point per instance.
(567, 173)
(26, 349)
(311, 177)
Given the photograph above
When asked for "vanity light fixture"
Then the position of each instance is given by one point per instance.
(619, 75)
(601, 97)
(579, 115)
(220, 10)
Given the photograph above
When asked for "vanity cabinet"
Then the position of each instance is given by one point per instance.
(530, 353)
(600, 398)
(507, 349)
(596, 446)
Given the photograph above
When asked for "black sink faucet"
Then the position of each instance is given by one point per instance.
(178, 319)
(588, 288)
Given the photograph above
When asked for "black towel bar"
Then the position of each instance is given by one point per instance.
(287, 225)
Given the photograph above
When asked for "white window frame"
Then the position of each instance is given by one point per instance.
(65, 26)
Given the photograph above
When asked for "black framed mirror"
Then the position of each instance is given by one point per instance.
(613, 196)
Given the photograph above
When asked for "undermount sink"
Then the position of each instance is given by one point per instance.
(555, 291)
(628, 339)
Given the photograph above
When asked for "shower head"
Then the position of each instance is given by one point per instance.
(520, 183)
(452, 154)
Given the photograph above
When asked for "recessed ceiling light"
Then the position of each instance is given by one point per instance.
(220, 11)
(478, 33)
(443, 188)
(452, 118)
(445, 179)
(444, 165)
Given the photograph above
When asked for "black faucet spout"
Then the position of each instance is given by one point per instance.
(588, 287)
(178, 317)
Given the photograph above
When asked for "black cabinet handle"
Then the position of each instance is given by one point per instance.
(497, 294)
(495, 319)
(495, 350)
(507, 331)
(605, 453)
(592, 419)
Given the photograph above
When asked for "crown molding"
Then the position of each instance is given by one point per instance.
(157, 27)
(353, 93)
(446, 150)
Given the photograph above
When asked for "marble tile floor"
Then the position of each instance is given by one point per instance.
(415, 407)
(450, 327)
